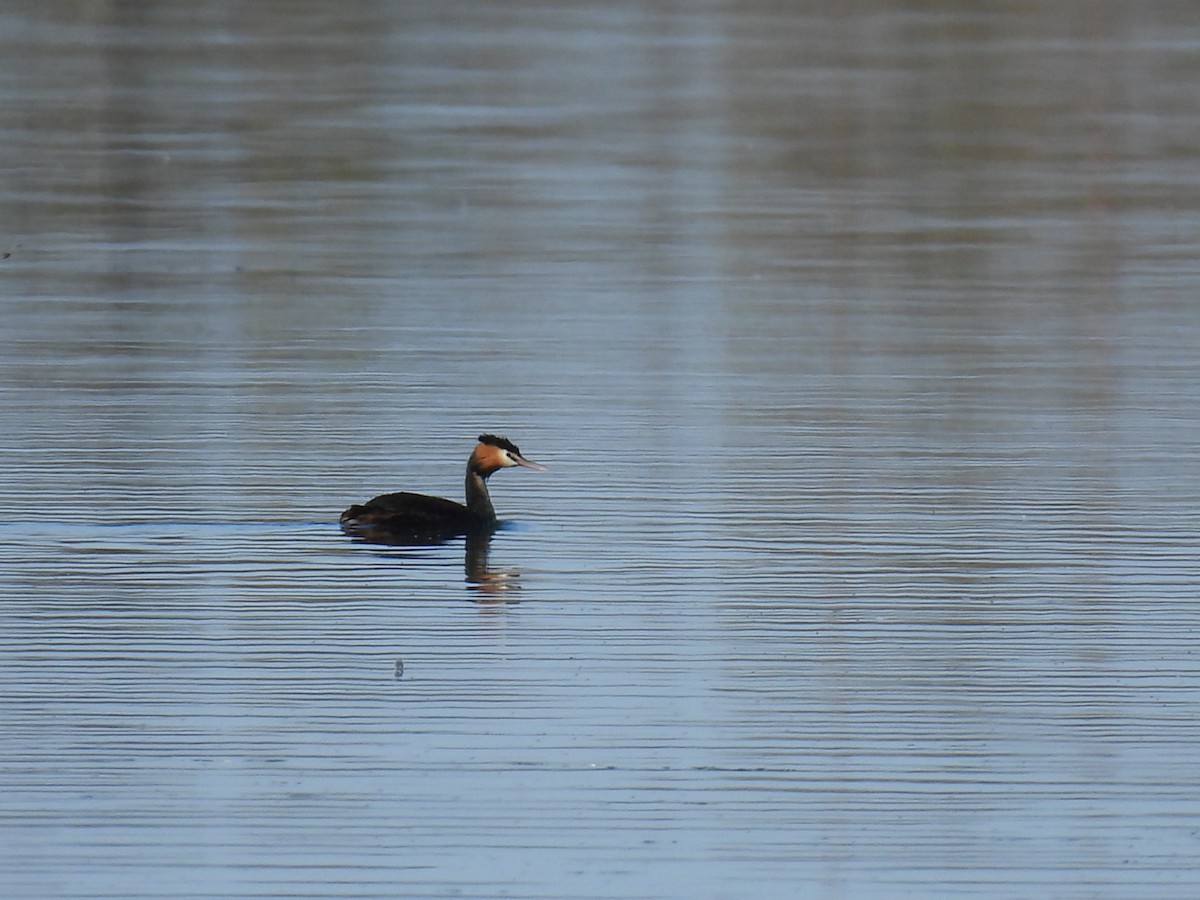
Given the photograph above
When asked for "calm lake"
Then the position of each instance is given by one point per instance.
(861, 343)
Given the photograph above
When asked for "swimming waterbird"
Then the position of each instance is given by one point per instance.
(405, 518)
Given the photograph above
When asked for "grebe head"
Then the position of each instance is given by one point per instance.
(494, 452)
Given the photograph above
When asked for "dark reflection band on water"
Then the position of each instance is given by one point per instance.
(489, 583)
(485, 583)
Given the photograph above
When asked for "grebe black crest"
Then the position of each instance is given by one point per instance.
(494, 440)
(405, 518)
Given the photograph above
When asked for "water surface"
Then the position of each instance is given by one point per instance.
(861, 348)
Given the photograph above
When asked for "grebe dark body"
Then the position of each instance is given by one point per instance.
(405, 518)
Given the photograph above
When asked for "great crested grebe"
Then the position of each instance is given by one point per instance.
(405, 518)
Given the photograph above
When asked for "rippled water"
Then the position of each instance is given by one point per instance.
(860, 346)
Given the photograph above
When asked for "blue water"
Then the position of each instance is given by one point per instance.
(860, 349)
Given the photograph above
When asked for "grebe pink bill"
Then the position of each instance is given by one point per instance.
(415, 519)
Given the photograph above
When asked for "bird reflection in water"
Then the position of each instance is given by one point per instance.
(488, 584)
(406, 519)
